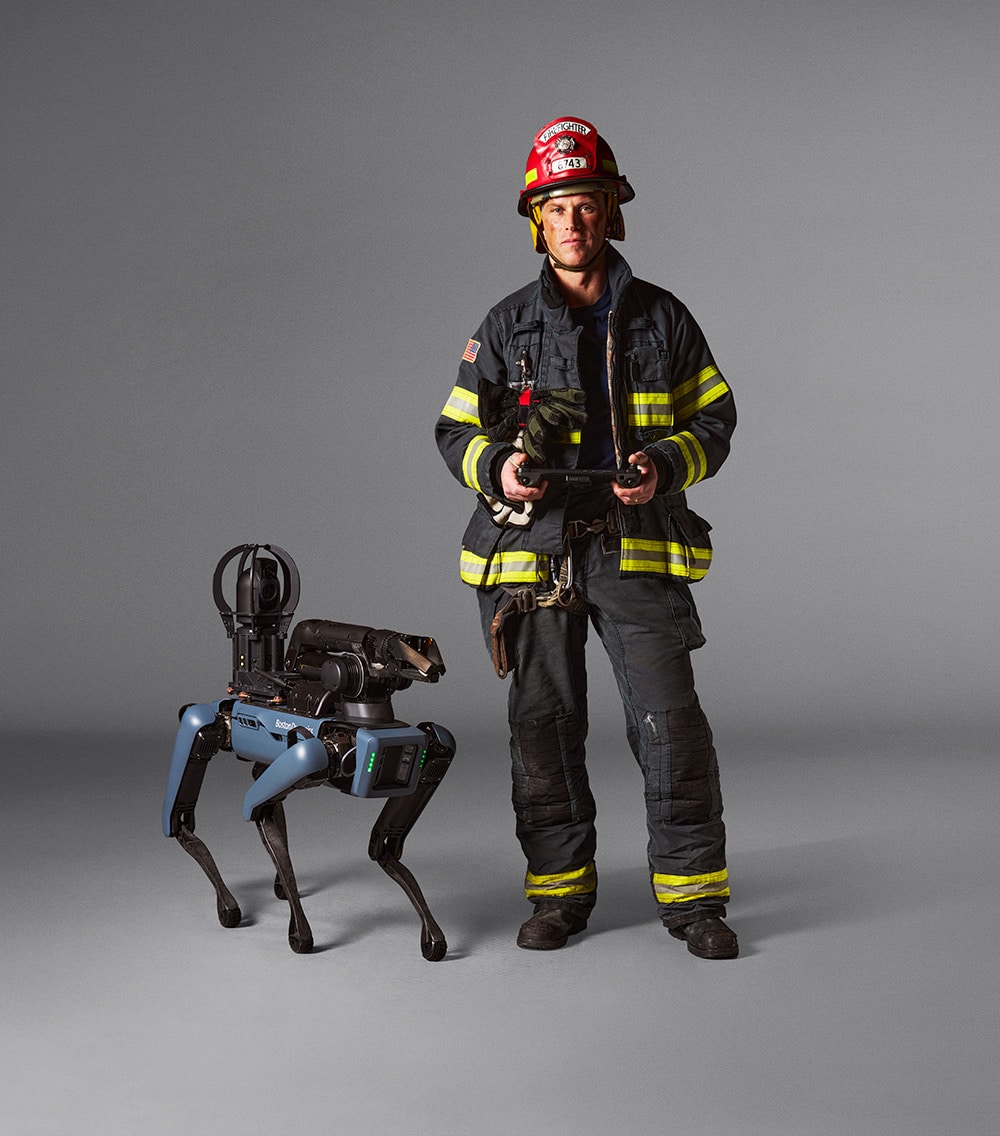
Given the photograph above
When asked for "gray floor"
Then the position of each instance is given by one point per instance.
(865, 1001)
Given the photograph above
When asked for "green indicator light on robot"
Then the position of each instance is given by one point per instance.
(371, 762)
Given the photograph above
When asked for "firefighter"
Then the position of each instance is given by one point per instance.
(586, 372)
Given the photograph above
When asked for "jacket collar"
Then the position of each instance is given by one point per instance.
(619, 277)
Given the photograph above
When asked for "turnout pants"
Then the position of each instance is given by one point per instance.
(648, 628)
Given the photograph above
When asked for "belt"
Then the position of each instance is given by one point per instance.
(607, 524)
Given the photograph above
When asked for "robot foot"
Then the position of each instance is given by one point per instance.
(229, 916)
(299, 936)
(433, 945)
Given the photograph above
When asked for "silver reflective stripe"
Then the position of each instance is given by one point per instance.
(502, 568)
(650, 408)
(581, 881)
(462, 406)
(682, 889)
(697, 392)
(470, 461)
(664, 558)
(693, 455)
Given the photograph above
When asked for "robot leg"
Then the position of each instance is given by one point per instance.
(226, 906)
(203, 732)
(262, 804)
(282, 827)
(270, 824)
(279, 820)
(398, 816)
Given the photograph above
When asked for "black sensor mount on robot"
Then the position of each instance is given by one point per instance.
(326, 663)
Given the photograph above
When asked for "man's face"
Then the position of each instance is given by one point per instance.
(574, 227)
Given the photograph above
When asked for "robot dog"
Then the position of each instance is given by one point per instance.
(319, 713)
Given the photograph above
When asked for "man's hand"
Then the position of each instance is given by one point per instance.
(513, 490)
(644, 491)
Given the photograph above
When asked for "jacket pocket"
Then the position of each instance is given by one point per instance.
(523, 352)
(690, 542)
(650, 401)
(647, 363)
(491, 557)
(685, 614)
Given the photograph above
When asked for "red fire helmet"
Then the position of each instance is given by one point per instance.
(568, 155)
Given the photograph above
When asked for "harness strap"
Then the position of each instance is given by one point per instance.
(526, 597)
(610, 524)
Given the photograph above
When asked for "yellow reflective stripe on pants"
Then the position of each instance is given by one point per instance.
(664, 557)
(582, 881)
(683, 889)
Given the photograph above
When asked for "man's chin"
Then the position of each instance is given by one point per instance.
(576, 256)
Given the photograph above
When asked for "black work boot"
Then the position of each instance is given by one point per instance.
(708, 938)
(551, 925)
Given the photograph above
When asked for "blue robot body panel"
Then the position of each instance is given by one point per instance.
(260, 733)
(292, 765)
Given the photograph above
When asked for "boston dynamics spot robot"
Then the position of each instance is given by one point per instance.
(319, 713)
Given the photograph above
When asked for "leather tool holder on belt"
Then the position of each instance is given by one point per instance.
(503, 629)
(522, 600)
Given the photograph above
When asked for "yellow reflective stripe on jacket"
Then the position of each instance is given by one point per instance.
(664, 557)
(470, 461)
(693, 455)
(697, 392)
(578, 882)
(683, 889)
(567, 438)
(462, 406)
(651, 408)
(502, 568)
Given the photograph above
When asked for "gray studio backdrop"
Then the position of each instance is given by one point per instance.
(245, 244)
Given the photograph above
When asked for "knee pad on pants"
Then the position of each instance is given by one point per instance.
(550, 778)
(682, 779)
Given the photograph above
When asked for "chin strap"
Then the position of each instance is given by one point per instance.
(576, 267)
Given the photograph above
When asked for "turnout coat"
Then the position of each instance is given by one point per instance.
(667, 398)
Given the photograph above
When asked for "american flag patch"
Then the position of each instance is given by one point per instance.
(470, 353)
